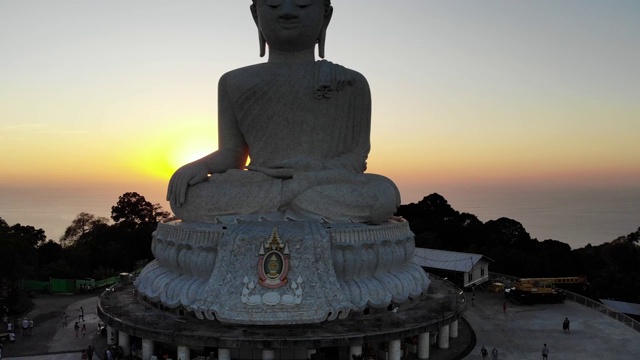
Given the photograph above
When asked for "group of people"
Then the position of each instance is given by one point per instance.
(13, 325)
(484, 353)
(113, 352)
(88, 353)
(494, 353)
(78, 328)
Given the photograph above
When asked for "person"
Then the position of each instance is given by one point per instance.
(134, 348)
(473, 300)
(76, 327)
(64, 319)
(25, 327)
(90, 352)
(30, 326)
(568, 324)
(84, 355)
(494, 354)
(12, 339)
(9, 326)
(564, 325)
(307, 158)
(84, 330)
(81, 315)
(545, 352)
(484, 352)
(504, 307)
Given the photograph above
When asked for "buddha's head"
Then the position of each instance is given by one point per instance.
(292, 25)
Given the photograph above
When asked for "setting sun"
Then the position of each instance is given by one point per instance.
(189, 152)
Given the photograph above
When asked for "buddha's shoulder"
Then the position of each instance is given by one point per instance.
(335, 73)
(249, 74)
(244, 74)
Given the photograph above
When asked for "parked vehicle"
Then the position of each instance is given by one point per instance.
(540, 290)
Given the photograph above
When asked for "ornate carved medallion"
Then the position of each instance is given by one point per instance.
(273, 266)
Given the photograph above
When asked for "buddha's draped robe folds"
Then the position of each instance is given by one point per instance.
(306, 127)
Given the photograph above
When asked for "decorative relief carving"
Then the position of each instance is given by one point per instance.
(251, 294)
(361, 265)
(273, 266)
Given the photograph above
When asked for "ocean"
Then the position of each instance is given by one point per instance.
(574, 216)
(54, 208)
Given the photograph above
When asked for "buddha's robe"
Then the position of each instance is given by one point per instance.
(306, 127)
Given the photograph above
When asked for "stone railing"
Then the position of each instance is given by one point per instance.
(599, 307)
(454, 299)
(582, 300)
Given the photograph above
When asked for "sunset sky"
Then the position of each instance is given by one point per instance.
(465, 93)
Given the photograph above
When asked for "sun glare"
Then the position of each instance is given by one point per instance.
(161, 158)
(187, 154)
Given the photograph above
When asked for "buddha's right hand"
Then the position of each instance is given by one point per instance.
(188, 175)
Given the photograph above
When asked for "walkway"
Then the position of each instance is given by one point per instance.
(49, 337)
(518, 334)
(521, 332)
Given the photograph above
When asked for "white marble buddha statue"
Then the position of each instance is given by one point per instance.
(305, 126)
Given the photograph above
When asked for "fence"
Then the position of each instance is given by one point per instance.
(67, 285)
(599, 307)
(35, 285)
(108, 281)
(585, 301)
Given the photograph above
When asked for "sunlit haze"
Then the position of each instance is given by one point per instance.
(465, 94)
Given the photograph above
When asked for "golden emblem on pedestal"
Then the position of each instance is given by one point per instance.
(273, 265)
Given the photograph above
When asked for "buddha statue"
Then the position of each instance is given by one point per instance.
(304, 125)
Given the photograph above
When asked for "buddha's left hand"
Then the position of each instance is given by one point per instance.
(188, 175)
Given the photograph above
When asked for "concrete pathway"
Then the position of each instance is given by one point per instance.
(65, 356)
(521, 332)
(49, 337)
(517, 334)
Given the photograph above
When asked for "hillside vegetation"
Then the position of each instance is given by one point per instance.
(612, 269)
(94, 247)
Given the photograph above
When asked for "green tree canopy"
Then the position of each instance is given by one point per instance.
(80, 226)
(134, 209)
(18, 244)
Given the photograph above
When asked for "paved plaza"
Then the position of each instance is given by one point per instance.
(520, 332)
(517, 334)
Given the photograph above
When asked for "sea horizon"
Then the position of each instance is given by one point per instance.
(576, 217)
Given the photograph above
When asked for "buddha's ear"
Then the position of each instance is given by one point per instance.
(323, 32)
(261, 39)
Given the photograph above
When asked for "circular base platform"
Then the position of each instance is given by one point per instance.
(281, 272)
(124, 311)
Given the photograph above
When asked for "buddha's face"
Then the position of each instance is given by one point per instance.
(291, 25)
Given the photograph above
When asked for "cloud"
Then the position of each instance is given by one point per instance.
(45, 129)
(70, 132)
(24, 126)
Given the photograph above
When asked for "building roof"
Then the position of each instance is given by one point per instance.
(622, 307)
(446, 260)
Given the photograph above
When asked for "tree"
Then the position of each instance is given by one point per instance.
(18, 244)
(51, 262)
(133, 209)
(81, 225)
(136, 220)
(28, 235)
(49, 252)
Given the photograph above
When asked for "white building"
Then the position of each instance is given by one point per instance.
(464, 269)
